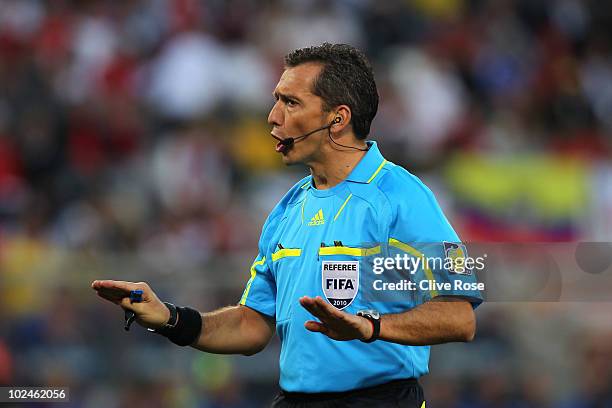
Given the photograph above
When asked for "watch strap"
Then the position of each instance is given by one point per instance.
(375, 326)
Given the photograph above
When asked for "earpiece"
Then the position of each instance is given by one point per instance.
(338, 119)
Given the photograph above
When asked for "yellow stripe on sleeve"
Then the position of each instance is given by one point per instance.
(250, 282)
(414, 252)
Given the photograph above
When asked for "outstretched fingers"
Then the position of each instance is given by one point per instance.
(331, 311)
(117, 292)
(115, 284)
(310, 304)
(322, 310)
(316, 327)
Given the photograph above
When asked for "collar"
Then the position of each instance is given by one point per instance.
(369, 166)
(366, 170)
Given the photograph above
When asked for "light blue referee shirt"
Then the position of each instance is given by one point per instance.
(323, 243)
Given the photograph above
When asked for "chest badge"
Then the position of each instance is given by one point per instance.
(340, 282)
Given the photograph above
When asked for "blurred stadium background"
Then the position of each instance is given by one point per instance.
(134, 145)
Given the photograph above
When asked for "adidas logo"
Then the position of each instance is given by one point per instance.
(317, 219)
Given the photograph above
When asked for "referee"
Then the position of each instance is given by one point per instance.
(342, 344)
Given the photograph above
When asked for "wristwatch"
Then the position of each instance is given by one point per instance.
(374, 317)
(172, 321)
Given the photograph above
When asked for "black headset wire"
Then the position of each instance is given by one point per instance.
(341, 145)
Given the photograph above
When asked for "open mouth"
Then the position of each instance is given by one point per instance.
(281, 148)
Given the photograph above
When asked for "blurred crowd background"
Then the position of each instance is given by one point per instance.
(134, 145)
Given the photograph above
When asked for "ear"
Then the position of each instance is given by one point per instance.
(341, 119)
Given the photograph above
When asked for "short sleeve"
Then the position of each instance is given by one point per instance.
(419, 230)
(260, 290)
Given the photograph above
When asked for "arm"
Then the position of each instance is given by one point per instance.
(440, 320)
(235, 330)
(231, 330)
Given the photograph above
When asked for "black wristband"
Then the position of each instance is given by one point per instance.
(187, 329)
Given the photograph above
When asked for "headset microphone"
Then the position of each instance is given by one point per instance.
(289, 141)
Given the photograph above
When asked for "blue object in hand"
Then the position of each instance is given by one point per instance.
(135, 297)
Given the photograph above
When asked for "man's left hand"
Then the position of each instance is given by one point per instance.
(334, 323)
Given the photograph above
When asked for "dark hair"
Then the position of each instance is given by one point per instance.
(345, 79)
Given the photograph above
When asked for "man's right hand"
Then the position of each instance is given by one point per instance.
(150, 313)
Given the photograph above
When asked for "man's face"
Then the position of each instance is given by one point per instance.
(298, 111)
